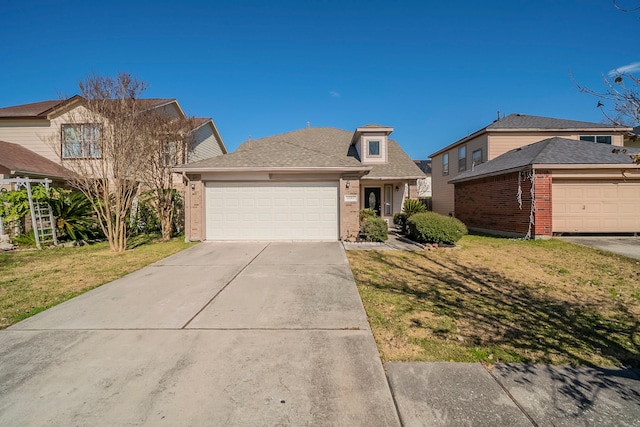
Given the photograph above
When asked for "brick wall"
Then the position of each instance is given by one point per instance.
(194, 210)
(349, 207)
(492, 204)
(543, 215)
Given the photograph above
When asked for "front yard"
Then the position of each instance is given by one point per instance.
(32, 281)
(499, 300)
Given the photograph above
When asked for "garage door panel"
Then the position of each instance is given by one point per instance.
(272, 211)
(598, 207)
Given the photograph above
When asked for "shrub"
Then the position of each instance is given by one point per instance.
(400, 220)
(74, 215)
(430, 227)
(366, 214)
(374, 229)
(412, 207)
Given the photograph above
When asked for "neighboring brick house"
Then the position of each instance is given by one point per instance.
(308, 184)
(507, 133)
(576, 187)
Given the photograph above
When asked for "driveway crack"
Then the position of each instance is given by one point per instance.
(224, 287)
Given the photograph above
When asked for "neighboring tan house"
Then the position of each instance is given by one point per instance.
(507, 133)
(47, 128)
(308, 184)
(576, 187)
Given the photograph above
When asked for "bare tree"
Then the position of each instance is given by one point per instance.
(103, 143)
(170, 140)
(620, 99)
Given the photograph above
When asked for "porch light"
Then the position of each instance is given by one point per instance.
(348, 184)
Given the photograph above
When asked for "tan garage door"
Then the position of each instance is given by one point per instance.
(596, 207)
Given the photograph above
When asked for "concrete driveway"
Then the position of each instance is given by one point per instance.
(623, 245)
(219, 334)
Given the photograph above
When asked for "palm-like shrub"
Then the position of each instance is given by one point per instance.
(74, 215)
(409, 208)
(412, 207)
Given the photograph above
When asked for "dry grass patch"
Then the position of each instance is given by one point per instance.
(32, 281)
(503, 300)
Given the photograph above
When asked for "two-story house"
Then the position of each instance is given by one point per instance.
(309, 184)
(54, 130)
(501, 136)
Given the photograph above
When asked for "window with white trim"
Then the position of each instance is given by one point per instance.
(373, 147)
(476, 157)
(81, 141)
(462, 158)
(445, 164)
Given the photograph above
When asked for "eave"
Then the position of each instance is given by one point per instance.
(199, 170)
(549, 166)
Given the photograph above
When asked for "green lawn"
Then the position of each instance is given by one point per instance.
(503, 300)
(32, 281)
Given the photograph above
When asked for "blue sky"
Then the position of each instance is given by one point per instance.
(435, 71)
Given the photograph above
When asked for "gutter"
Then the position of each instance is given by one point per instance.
(272, 169)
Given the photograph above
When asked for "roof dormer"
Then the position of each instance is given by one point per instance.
(371, 142)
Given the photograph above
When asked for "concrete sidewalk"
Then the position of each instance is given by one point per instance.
(219, 334)
(469, 394)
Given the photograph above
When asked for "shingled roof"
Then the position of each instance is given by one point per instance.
(17, 160)
(552, 151)
(41, 110)
(309, 148)
(524, 123)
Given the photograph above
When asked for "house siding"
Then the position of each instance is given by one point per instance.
(500, 143)
(205, 144)
(443, 199)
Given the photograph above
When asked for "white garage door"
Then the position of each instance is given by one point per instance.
(272, 211)
(596, 207)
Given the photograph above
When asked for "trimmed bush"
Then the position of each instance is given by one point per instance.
(430, 227)
(367, 213)
(374, 229)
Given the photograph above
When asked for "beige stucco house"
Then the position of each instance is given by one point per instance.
(309, 184)
(46, 129)
(501, 136)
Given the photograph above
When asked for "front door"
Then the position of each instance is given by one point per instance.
(372, 199)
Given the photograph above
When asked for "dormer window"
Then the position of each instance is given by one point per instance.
(372, 143)
(374, 147)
